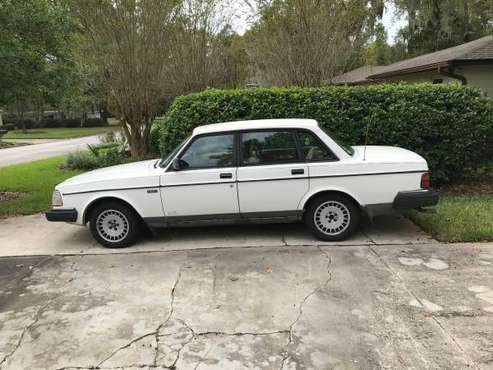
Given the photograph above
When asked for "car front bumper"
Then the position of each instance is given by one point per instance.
(416, 199)
(61, 215)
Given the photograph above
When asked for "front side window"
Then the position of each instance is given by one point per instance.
(265, 147)
(209, 151)
(313, 149)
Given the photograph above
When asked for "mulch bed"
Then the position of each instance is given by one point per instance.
(10, 195)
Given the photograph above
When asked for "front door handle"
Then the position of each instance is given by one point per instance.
(226, 176)
(297, 171)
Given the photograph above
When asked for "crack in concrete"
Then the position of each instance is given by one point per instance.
(33, 322)
(36, 316)
(368, 237)
(154, 333)
(434, 317)
(283, 239)
(303, 302)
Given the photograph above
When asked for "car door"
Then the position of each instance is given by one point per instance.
(272, 177)
(205, 186)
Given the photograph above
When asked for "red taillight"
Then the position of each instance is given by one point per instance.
(425, 181)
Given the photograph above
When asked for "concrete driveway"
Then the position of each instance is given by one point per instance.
(44, 150)
(264, 297)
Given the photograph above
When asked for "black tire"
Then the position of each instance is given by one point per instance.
(114, 225)
(337, 217)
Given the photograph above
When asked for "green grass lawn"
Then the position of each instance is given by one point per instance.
(57, 133)
(459, 218)
(37, 179)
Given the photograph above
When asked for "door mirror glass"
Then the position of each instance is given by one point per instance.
(176, 164)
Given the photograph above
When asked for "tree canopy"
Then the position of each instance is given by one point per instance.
(133, 56)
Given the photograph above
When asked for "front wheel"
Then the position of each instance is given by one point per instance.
(114, 225)
(332, 217)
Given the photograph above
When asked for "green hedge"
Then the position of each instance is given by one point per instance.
(449, 125)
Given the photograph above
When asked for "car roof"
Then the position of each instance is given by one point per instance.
(257, 124)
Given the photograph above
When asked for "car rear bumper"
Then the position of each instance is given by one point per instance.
(416, 199)
(61, 215)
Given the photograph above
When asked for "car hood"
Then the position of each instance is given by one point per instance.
(116, 177)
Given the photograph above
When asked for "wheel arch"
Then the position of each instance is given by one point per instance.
(312, 196)
(97, 201)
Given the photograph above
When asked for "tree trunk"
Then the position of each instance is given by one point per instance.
(411, 26)
(39, 114)
(436, 24)
(138, 137)
(104, 114)
(20, 121)
(83, 119)
(466, 37)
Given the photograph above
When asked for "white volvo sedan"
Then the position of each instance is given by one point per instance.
(280, 170)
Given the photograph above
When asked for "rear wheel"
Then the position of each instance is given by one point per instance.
(332, 217)
(114, 225)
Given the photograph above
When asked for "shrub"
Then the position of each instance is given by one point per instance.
(112, 151)
(82, 161)
(449, 125)
(97, 156)
(8, 126)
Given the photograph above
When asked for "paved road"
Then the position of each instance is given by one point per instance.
(34, 152)
(263, 297)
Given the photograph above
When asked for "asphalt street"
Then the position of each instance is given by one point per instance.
(28, 153)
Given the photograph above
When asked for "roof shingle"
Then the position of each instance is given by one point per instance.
(480, 49)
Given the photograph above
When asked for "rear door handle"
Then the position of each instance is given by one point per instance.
(226, 176)
(297, 171)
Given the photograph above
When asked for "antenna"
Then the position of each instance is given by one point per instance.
(370, 118)
(366, 139)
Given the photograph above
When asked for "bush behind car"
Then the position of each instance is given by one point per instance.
(449, 125)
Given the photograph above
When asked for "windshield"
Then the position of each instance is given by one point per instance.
(347, 148)
(165, 161)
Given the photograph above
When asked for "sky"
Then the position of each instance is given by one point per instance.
(391, 21)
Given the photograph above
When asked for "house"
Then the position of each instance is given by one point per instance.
(358, 76)
(470, 64)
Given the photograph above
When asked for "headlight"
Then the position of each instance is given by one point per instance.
(56, 199)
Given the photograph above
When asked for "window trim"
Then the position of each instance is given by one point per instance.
(196, 137)
(320, 142)
(237, 152)
(290, 130)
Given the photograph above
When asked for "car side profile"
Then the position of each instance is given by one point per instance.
(281, 170)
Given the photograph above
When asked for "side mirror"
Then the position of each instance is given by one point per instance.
(176, 164)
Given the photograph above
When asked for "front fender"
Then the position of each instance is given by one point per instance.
(145, 203)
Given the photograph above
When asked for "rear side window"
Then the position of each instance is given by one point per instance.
(209, 152)
(313, 149)
(268, 147)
